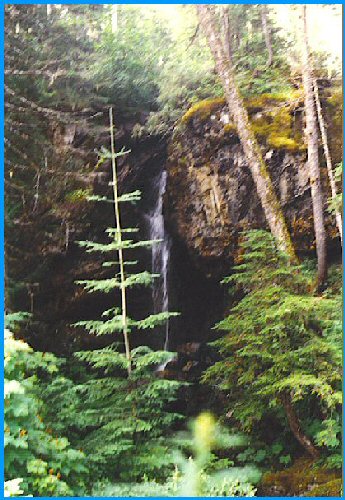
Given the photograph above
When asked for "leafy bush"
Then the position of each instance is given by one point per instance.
(45, 463)
(197, 473)
(122, 424)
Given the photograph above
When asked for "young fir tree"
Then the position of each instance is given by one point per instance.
(199, 470)
(123, 406)
(281, 349)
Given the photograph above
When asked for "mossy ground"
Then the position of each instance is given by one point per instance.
(303, 478)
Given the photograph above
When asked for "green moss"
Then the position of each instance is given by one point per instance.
(281, 142)
(202, 109)
(77, 195)
(303, 477)
(263, 101)
(229, 128)
(274, 126)
(330, 489)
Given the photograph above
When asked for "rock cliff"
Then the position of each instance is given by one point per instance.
(210, 199)
(211, 196)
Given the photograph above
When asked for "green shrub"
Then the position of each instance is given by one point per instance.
(198, 472)
(45, 463)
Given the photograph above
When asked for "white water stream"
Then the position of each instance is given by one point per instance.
(160, 252)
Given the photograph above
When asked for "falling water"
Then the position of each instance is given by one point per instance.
(160, 252)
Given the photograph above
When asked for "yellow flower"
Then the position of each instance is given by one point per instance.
(204, 432)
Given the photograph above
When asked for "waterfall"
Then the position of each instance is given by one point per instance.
(160, 252)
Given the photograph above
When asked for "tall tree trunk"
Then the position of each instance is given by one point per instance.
(267, 33)
(251, 148)
(227, 31)
(118, 238)
(295, 426)
(114, 20)
(331, 178)
(313, 156)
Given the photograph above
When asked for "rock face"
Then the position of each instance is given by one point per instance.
(45, 260)
(211, 196)
(210, 199)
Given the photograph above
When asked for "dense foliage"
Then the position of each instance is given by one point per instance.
(122, 405)
(198, 469)
(36, 459)
(281, 343)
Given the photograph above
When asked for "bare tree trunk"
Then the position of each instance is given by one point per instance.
(118, 237)
(267, 33)
(227, 31)
(114, 21)
(251, 148)
(331, 178)
(313, 157)
(295, 426)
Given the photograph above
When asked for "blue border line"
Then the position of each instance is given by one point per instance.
(71, 2)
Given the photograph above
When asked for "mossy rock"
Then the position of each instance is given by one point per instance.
(330, 489)
(335, 123)
(303, 478)
(264, 101)
(229, 128)
(273, 127)
(203, 109)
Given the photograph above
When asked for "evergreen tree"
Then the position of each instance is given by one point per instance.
(123, 406)
(281, 349)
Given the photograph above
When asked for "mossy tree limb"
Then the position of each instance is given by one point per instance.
(269, 201)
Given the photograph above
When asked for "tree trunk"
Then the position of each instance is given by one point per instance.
(295, 426)
(331, 178)
(227, 31)
(114, 13)
(313, 157)
(118, 238)
(251, 148)
(267, 33)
